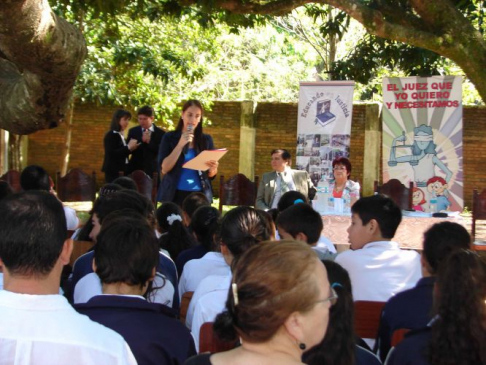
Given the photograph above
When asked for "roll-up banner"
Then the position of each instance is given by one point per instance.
(422, 139)
(324, 125)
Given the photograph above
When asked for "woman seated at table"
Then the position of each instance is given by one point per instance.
(341, 167)
(278, 305)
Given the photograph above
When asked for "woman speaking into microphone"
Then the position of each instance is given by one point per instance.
(180, 146)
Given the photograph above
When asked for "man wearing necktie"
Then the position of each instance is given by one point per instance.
(148, 136)
(276, 183)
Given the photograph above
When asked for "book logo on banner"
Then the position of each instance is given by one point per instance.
(422, 139)
(324, 126)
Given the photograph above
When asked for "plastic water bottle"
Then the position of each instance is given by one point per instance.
(323, 189)
(346, 202)
(433, 203)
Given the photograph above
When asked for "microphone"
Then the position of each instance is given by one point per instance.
(186, 147)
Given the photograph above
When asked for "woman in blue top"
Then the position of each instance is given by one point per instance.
(177, 182)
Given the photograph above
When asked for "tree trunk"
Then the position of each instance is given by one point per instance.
(40, 58)
(67, 142)
(15, 152)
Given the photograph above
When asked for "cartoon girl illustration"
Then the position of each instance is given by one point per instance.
(418, 199)
(423, 158)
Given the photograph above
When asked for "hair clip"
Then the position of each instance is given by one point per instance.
(333, 285)
(296, 201)
(235, 293)
(173, 217)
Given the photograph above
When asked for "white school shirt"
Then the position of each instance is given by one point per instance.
(72, 220)
(45, 329)
(209, 305)
(90, 286)
(196, 270)
(380, 270)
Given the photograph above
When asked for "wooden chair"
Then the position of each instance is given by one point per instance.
(79, 249)
(367, 316)
(185, 301)
(478, 213)
(209, 342)
(237, 190)
(76, 186)
(146, 186)
(13, 179)
(398, 335)
(400, 194)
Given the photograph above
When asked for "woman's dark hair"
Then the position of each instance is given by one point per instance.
(273, 280)
(175, 237)
(198, 132)
(205, 224)
(244, 227)
(459, 333)
(117, 116)
(338, 346)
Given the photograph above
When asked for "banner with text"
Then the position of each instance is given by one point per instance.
(324, 125)
(422, 139)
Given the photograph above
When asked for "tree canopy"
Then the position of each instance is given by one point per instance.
(41, 53)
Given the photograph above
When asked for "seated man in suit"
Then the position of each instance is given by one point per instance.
(149, 136)
(125, 258)
(276, 183)
(412, 309)
(38, 325)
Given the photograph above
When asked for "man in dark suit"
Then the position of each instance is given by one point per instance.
(149, 136)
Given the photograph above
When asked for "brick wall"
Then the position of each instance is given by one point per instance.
(276, 127)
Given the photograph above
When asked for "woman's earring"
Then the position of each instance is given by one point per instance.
(302, 346)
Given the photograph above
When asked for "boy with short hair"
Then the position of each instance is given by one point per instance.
(378, 268)
(302, 223)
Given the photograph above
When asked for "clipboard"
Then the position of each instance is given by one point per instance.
(199, 162)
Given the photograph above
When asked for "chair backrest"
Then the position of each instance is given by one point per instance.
(76, 186)
(79, 249)
(367, 316)
(185, 301)
(209, 342)
(398, 335)
(13, 179)
(146, 186)
(400, 194)
(237, 190)
(478, 209)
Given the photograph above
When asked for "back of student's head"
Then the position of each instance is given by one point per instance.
(126, 183)
(340, 335)
(193, 201)
(124, 199)
(34, 177)
(109, 188)
(290, 198)
(382, 209)
(32, 232)
(126, 250)
(5, 189)
(301, 218)
(205, 225)
(244, 227)
(175, 237)
(441, 239)
(272, 280)
(459, 332)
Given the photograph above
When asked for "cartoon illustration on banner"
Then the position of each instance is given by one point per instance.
(324, 126)
(422, 139)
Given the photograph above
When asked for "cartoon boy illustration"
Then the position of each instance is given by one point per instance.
(439, 186)
(418, 199)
